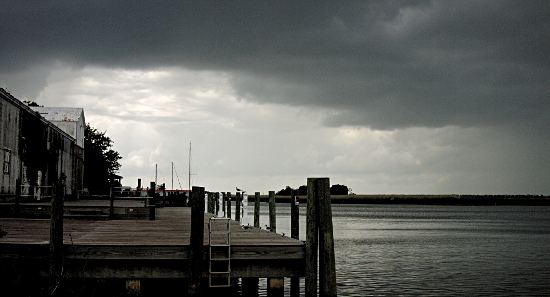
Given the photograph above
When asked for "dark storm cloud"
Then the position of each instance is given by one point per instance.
(382, 64)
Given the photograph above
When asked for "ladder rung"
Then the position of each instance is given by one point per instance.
(220, 245)
(220, 259)
(221, 272)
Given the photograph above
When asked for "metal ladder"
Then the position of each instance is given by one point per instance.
(219, 242)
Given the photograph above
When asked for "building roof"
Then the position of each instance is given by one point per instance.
(60, 114)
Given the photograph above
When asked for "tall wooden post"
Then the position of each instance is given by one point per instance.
(238, 206)
(320, 236)
(197, 237)
(209, 202)
(152, 192)
(217, 198)
(111, 203)
(17, 197)
(327, 262)
(228, 205)
(223, 203)
(257, 209)
(272, 212)
(56, 237)
(294, 233)
(312, 244)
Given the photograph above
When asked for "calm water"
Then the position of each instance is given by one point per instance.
(435, 250)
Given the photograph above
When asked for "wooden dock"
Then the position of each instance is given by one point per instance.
(141, 249)
(169, 243)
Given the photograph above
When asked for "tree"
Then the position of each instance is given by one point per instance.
(100, 161)
(338, 190)
(284, 192)
(302, 190)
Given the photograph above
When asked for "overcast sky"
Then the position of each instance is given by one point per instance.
(382, 96)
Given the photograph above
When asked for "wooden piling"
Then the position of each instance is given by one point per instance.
(275, 287)
(294, 233)
(257, 209)
(223, 202)
(152, 192)
(228, 205)
(250, 286)
(217, 199)
(327, 265)
(311, 239)
(111, 203)
(196, 241)
(209, 202)
(56, 237)
(272, 212)
(238, 206)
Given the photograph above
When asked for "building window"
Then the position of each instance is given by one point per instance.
(7, 161)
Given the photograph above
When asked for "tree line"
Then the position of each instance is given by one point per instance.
(336, 189)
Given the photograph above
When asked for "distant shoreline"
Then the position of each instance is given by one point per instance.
(425, 199)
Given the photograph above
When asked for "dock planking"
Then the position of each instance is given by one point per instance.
(147, 248)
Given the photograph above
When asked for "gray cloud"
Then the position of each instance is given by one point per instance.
(386, 65)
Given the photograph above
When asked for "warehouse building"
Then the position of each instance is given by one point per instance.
(36, 151)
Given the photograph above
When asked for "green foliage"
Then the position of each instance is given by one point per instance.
(302, 190)
(100, 161)
(284, 192)
(339, 190)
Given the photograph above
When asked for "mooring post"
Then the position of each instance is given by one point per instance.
(17, 197)
(272, 212)
(223, 203)
(209, 202)
(228, 205)
(294, 233)
(111, 203)
(152, 192)
(312, 234)
(327, 263)
(217, 198)
(257, 209)
(56, 237)
(197, 237)
(238, 206)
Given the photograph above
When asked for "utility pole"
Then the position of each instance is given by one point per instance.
(172, 175)
(156, 182)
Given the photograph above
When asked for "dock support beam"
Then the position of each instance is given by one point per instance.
(197, 237)
(257, 209)
(272, 212)
(56, 237)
